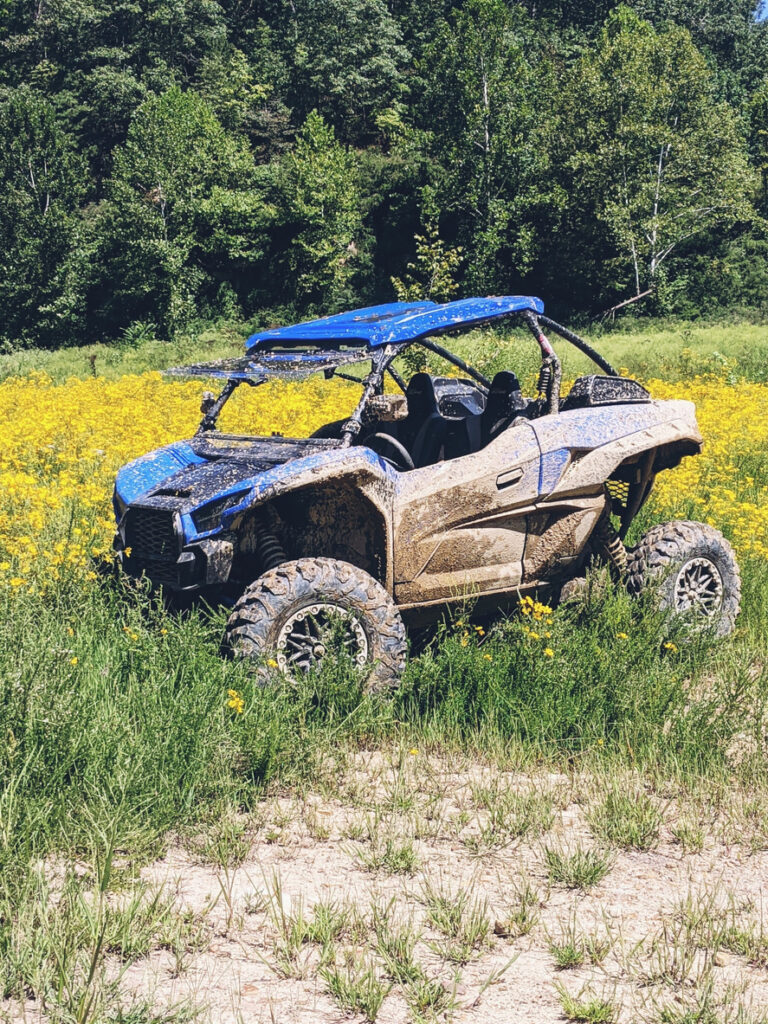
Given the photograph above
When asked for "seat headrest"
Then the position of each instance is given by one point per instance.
(505, 382)
(504, 402)
(420, 395)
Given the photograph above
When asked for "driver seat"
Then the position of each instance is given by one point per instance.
(425, 430)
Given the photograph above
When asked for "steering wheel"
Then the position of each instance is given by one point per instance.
(403, 460)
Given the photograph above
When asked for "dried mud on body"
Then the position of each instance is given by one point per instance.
(424, 888)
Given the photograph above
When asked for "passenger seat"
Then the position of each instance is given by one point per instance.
(505, 403)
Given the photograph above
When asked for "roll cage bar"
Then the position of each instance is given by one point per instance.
(550, 372)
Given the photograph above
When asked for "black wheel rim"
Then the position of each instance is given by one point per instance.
(699, 587)
(309, 634)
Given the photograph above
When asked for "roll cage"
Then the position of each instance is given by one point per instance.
(340, 337)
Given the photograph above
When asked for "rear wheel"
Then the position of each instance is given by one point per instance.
(301, 612)
(694, 570)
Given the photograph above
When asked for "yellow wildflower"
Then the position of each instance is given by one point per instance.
(60, 454)
(235, 702)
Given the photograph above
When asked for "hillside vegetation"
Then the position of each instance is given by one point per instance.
(164, 164)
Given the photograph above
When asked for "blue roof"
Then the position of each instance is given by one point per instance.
(397, 322)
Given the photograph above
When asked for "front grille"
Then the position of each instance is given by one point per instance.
(150, 534)
(160, 573)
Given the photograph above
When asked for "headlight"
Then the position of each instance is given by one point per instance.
(208, 517)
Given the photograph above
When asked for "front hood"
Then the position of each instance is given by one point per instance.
(186, 474)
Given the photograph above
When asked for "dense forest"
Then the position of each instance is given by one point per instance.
(169, 162)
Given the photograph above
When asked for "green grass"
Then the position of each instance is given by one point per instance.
(114, 361)
(585, 1007)
(577, 868)
(626, 817)
(137, 739)
(356, 988)
(673, 351)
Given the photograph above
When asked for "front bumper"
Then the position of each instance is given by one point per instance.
(171, 564)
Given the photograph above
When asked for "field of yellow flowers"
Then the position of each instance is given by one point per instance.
(60, 445)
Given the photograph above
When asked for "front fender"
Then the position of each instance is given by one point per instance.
(359, 468)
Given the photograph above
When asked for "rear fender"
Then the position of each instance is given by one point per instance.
(575, 462)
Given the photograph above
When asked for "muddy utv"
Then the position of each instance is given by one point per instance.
(453, 486)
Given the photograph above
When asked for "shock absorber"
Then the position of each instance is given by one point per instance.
(608, 545)
(545, 379)
(269, 550)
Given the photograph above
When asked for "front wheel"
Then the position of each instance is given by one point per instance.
(694, 571)
(299, 613)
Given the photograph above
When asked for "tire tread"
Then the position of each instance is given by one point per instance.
(669, 543)
(250, 624)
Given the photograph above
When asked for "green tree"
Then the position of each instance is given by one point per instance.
(432, 275)
(649, 158)
(185, 211)
(98, 59)
(42, 183)
(758, 139)
(718, 25)
(483, 131)
(228, 83)
(347, 63)
(322, 218)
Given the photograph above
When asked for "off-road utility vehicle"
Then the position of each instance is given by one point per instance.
(457, 486)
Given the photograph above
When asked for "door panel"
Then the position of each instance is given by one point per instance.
(460, 526)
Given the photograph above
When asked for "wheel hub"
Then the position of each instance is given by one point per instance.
(699, 587)
(307, 635)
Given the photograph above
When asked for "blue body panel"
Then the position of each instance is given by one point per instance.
(397, 323)
(148, 471)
